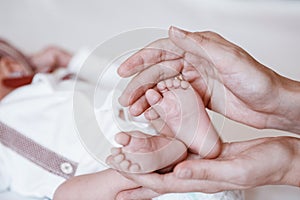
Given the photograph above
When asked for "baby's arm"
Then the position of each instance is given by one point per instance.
(104, 185)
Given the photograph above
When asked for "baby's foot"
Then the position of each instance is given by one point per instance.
(142, 153)
(183, 111)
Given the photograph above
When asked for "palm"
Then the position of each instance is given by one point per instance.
(239, 91)
(252, 154)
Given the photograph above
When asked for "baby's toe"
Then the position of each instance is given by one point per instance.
(153, 97)
(134, 168)
(169, 83)
(161, 86)
(118, 158)
(124, 165)
(122, 138)
(184, 84)
(109, 160)
(176, 83)
(151, 114)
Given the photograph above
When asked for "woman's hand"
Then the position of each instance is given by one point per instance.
(242, 165)
(229, 80)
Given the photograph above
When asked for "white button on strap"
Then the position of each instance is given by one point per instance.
(66, 168)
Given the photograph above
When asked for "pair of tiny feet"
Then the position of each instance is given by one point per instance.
(178, 114)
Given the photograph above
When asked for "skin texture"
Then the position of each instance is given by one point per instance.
(142, 154)
(234, 84)
(227, 78)
(241, 165)
(182, 110)
(230, 82)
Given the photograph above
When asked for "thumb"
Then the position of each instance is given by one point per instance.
(212, 170)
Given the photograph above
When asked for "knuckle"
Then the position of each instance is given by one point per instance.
(209, 33)
(204, 37)
(198, 37)
(244, 175)
(139, 59)
(162, 54)
(204, 174)
(238, 51)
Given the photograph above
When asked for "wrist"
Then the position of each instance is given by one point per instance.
(287, 114)
(292, 176)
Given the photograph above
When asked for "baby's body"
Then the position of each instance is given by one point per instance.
(142, 153)
(92, 186)
(43, 112)
(178, 113)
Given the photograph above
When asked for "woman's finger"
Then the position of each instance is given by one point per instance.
(202, 44)
(156, 52)
(148, 79)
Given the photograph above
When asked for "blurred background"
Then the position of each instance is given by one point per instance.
(268, 29)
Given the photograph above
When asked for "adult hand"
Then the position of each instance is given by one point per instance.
(229, 80)
(241, 165)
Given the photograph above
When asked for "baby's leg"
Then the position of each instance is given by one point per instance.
(104, 185)
(183, 111)
(142, 153)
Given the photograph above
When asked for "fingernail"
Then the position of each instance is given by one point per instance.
(122, 100)
(179, 33)
(134, 110)
(184, 173)
(122, 71)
